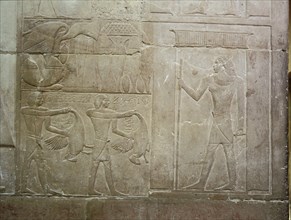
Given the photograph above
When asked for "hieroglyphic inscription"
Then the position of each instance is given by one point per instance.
(194, 10)
(185, 38)
(118, 9)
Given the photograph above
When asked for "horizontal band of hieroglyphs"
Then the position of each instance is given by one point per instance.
(185, 38)
(120, 99)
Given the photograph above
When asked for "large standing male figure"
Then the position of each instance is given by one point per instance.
(222, 84)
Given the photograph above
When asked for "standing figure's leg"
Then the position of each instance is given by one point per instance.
(109, 179)
(42, 173)
(38, 7)
(53, 7)
(231, 166)
(201, 8)
(108, 171)
(29, 156)
(207, 165)
(96, 160)
(24, 174)
(92, 177)
(232, 6)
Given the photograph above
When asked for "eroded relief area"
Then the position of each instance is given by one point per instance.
(195, 9)
(116, 104)
(78, 56)
(230, 8)
(85, 9)
(57, 9)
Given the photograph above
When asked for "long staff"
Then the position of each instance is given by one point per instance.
(176, 153)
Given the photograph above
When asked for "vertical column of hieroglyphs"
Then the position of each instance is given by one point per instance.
(211, 95)
(85, 98)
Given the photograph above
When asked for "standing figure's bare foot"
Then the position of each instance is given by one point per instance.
(200, 9)
(54, 192)
(198, 185)
(229, 186)
(71, 158)
(26, 190)
(134, 160)
(116, 193)
(94, 193)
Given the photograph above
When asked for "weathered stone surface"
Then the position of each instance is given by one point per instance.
(8, 25)
(151, 209)
(176, 108)
(7, 170)
(181, 209)
(41, 208)
(7, 99)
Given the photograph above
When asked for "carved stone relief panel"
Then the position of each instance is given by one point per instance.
(217, 129)
(89, 37)
(86, 100)
(96, 77)
(150, 99)
(86, 73)
(82, 142)
(214, 87)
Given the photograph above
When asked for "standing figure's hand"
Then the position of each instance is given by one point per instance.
(239, 132)
(66, 110)
(130, 113)
(181, 83)
(65, 132)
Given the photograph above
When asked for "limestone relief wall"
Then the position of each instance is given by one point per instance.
(143, 109)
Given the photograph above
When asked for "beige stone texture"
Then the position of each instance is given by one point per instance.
(8, 25)
(8, 93)
(144, 109)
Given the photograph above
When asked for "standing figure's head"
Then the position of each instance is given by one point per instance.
(35, 99)
(224, 64)
(101, 101)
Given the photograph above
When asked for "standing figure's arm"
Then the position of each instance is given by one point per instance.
(196, 94)
(49, 127)
(116, 131)
(36, 112)
(109, 115)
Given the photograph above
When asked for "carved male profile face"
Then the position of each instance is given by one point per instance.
(35, 99)
(218, 65)
(102, 101)
(106, 102)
